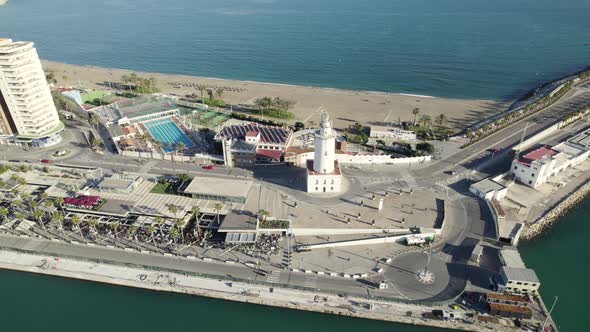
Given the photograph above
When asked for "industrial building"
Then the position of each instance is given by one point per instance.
(515, 278)
(27, 112)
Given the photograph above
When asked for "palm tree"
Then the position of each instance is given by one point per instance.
(57, 216)
(180, 147)
(43, 195)
(115, 227)
(76, 221)
(425, 120)
(469, 133)
(172, 209)
(132, 231)
(174, 232)
(441, 120)
(152, 230)
(4, 214)
(160, 222)
(263, 214)
(202, 88)
(217, 207)
(415, 111)
(19, 216)
(92, 225)
(219, 92)
(59, 201)
(195, 210)
(17, 203)
(38, 216)
(180, 226)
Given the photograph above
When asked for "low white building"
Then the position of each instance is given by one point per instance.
(488, 189)
(514, 276)
(392, 133)
(537, 166)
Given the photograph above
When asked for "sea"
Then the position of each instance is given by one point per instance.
(447, 48)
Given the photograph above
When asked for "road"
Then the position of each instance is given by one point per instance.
(216, 270)
(508, 136)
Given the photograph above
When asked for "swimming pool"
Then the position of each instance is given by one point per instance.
(166, 131)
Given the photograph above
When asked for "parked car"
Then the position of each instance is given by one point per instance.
(45, 161)
(208, 167)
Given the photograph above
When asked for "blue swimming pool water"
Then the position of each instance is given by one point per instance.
(166, 131)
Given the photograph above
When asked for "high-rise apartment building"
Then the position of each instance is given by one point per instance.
(27, 112)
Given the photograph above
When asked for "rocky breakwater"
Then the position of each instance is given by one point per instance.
(545, 221)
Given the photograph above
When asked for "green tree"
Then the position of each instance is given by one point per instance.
(441, 120)
(4, 214)
(182, 178)
(152, 232)
(263, 214)
(59, 218)
(217, 207)
(76, 221)
(415, 112)
(425, 147)
(425, 120)
(219, 92)
(202, 88)
(38, 216)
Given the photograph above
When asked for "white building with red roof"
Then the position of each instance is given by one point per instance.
(247, 144)
(536, 167)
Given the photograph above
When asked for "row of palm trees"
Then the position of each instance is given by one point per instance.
(89, 229)
(425, 120)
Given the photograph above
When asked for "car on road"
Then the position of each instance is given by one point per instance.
(494, 151)
(451, 172)
(208, 167)
(45, 161)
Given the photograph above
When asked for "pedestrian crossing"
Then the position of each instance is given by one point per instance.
(274, 277)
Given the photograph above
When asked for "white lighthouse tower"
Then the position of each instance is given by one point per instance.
(325, 147)
(323, 172)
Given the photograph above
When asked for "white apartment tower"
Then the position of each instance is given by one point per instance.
(323, 172)
(27, 112)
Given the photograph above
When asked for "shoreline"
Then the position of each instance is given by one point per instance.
(345, 106)
(220, 289)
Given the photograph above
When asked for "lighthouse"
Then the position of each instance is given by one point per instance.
(323, 172)
(325, 147)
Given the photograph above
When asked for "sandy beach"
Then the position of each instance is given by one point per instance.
(345, 106)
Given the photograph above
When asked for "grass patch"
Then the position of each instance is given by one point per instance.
(93, 95)
(169, 188)
(214, 102)
(274, 113)
(274, 224)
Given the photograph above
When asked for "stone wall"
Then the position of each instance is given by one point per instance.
(556, 212)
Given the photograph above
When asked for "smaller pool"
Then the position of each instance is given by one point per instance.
(167, 132)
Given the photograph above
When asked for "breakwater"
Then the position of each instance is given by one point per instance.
(553, 215)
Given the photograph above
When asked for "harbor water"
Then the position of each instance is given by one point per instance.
(456, 48)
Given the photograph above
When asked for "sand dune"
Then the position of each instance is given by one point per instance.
(345, 106)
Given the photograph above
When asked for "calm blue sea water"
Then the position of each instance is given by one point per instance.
(460, 48)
